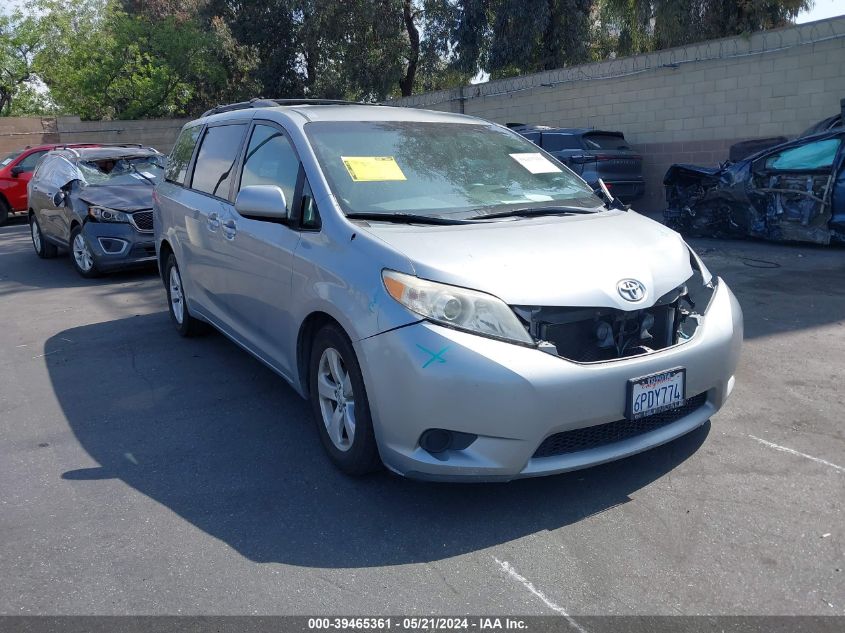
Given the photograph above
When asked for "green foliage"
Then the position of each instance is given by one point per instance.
(635, 26)
(103, 63)
(106, 59)
(20, 39)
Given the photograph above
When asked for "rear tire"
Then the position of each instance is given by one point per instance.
(186, 324)
(339, 403)
(43, 248)
(81, 256)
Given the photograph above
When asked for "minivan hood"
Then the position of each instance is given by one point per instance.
(550, 260)
(122, 198)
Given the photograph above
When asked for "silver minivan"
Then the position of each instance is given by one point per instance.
(454, 302)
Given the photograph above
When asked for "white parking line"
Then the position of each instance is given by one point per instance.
(508, 568)
(791, 451)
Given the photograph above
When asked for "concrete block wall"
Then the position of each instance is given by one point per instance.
(18, 132)
(158, 133)
(680, 105)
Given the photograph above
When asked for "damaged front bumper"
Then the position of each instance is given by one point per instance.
(514, 402)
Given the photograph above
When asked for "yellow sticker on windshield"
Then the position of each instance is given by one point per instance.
(372, 168)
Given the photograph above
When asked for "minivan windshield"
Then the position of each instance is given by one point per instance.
(437, 169)
(129, 170)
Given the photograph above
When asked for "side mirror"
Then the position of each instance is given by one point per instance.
(16, 171)
(59, 198)
(262, 202)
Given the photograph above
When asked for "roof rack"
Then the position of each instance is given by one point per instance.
(259, 102)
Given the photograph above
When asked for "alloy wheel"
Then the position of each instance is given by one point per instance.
(177, 297)
(82, 254)
(36, 236)
(337, 399)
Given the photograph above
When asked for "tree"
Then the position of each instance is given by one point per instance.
(103, 63)
(20, 40)
(645, 25)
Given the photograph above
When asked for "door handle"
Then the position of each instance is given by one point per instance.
(229, 229)
(213, 221)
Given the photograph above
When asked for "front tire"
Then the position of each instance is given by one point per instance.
(81, 256)
(339, 403)
(43, 248)
(186, 324)
(4, 211)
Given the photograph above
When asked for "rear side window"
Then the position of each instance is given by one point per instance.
(558, 142)
(216, 159)
(604, 141)
(177, 163)
(271, 160)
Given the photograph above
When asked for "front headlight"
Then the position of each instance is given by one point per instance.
(104, 214)
(456, 307)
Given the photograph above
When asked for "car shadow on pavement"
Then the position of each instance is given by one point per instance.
(202, 428)
(21, 271)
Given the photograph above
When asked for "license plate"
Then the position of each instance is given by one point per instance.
(656, 393)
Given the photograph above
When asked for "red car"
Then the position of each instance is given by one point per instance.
(15, 171)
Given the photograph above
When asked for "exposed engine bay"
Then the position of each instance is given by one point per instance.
(589, 335)
(791, 192)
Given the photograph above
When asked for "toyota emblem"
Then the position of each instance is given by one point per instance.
(631, 290)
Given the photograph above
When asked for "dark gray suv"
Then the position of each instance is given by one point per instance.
(592, 154)
(97, 203)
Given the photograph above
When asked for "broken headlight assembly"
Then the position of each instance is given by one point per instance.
(104, 214)
(456, 307)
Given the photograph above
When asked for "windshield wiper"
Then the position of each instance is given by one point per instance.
(407, 218)
(148, 179)
(531, 211)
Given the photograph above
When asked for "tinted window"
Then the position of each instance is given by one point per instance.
(310, 213)
(29, 163)
(216, 159)
(557, 142)
(816, 155)
(271, 160)
(604, 141)
(177, 163)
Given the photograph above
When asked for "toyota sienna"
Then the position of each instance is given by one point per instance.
(452, 300)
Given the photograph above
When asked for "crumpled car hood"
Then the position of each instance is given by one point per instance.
(548, 261)
(124, 198)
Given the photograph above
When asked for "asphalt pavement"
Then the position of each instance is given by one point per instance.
(142, 473)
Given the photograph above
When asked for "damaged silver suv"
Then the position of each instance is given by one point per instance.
(453, 301)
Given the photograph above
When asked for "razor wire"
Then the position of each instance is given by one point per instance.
(758, 43)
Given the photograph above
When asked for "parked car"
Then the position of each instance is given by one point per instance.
(15, 171)
(97, 203)
(452, 300)
(793, 192)
(592, 154)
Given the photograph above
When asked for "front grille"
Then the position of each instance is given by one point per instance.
(143, 221)
(612, 432)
